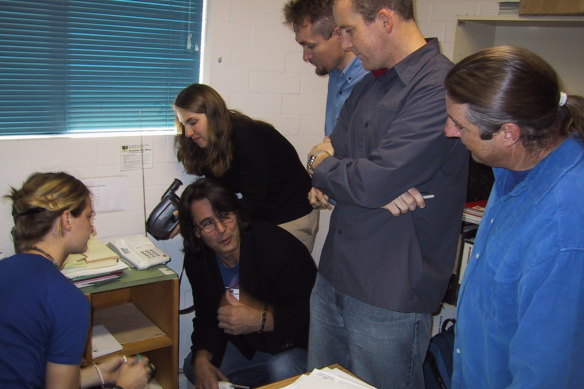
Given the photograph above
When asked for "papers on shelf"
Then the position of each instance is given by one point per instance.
(327, 378)
(82, 282)
(474, 211)
(153, 385)
(98, 264)
(97, 255)
(102, 342)
(128, 323)
(75, 273)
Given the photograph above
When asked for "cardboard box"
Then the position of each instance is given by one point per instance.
(551, 7)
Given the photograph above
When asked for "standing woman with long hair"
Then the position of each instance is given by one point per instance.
(249, 156)
(44, 318)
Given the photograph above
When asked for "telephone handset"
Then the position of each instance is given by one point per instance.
(138, 251)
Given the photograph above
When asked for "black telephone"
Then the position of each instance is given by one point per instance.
(162, 219)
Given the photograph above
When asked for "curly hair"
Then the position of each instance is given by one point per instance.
(41, 200)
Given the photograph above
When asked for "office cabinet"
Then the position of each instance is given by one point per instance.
(141, 311)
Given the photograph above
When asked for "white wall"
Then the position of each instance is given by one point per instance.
(252, 59)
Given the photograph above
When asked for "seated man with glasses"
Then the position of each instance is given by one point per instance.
(251, 286)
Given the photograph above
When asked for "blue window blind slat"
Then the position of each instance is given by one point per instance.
(70, 66)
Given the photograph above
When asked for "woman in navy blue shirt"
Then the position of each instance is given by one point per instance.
(44, 318)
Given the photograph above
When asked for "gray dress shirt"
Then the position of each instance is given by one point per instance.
(389, 138)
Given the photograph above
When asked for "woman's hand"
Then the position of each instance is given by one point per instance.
(135, 373)
(127, 372)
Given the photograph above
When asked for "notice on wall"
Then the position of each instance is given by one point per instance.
(135, 157)
(108, 193)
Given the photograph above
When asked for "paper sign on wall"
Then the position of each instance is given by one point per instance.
(108, 193)
(134, 157)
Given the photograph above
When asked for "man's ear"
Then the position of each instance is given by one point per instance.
(385, 16)
(511, 133)
(336, 33)
(197, 233)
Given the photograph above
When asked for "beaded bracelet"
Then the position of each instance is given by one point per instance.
(263, 320)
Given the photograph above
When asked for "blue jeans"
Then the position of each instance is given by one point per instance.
(383, 347)
(262, 369)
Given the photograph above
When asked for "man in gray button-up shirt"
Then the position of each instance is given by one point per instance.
(381, 277)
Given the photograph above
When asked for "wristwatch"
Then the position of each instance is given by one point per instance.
(313, 157)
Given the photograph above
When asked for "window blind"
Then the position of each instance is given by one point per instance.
(74, 66)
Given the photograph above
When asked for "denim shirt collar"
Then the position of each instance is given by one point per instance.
(546, 173)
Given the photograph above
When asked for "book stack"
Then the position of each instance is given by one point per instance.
(98, 264)
(474, 211)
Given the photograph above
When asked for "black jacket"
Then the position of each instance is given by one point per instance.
(275, 268)
(267, 172)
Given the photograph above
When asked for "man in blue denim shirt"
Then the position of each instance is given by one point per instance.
(315, 30)
(521, 305)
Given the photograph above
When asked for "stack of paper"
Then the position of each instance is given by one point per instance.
(97, 255)
(474, 211)
(109, 274)
(102, 342)
(99, 263)
(327, 378)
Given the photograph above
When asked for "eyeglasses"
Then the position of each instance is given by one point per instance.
(209, 225)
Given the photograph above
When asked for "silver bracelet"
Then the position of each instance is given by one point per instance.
(313, 157)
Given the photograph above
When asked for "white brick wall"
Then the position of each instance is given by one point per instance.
(251, 58)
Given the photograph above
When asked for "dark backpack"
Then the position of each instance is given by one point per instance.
(437, 366)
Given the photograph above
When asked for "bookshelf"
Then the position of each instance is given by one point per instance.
(140, 310)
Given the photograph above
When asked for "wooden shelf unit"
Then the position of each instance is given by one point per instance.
(141, 311)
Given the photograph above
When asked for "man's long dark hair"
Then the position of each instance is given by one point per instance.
(222, 201)
(507, 84)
